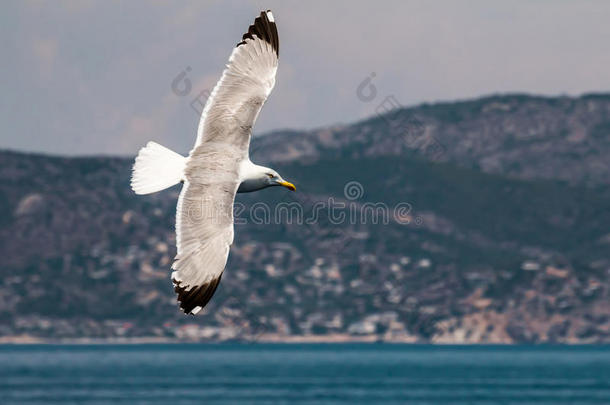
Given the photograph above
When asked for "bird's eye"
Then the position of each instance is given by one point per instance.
(270, 175)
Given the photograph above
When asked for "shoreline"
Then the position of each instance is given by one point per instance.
(313, 340)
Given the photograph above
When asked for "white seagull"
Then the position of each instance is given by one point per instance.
(217, 167)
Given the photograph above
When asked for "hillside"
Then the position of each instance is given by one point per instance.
(474, 221)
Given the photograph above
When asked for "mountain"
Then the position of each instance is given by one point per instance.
(474, 221)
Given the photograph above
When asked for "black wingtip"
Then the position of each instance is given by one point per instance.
(264, 28)
(197, 296)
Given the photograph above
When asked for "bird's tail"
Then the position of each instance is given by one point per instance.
(156, 168)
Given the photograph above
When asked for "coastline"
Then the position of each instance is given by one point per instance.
(274, 339)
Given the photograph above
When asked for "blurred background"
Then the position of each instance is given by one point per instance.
(448, 242)
(488, 123)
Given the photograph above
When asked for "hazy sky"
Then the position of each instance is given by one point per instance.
(95, 77)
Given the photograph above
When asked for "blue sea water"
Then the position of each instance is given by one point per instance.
(295, 374)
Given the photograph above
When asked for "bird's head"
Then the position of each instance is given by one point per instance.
(273, 178)
(255, 177)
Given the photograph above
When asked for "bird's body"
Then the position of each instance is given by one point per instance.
(217, 167)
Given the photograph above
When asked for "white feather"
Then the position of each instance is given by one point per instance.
(156, 168)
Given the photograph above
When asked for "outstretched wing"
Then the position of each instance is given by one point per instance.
(204, 224)
(238, 97)
(204, 218)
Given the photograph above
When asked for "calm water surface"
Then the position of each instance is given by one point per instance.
(327, 374)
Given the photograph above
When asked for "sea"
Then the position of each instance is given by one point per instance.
(303, 374)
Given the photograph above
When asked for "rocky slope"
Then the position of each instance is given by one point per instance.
(476, 221)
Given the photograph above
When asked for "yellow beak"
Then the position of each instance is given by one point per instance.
(288, 185)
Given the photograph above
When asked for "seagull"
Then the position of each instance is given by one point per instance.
(217, 167)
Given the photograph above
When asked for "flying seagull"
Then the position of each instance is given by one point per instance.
(217, 167)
